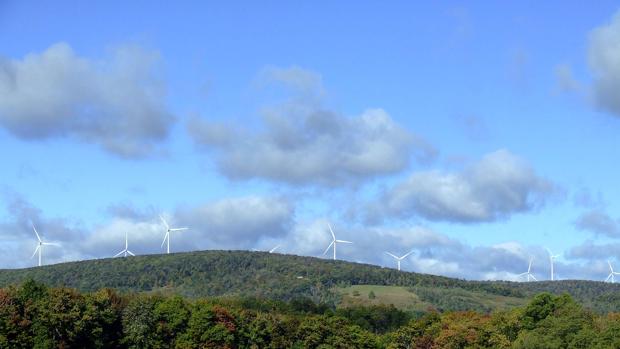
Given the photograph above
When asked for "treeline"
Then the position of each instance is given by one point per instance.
(241, 273)
(283, 277)
(35, 316)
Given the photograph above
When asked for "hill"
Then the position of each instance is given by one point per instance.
(286, 277)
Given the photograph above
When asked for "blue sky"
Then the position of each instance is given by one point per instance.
(474, 133)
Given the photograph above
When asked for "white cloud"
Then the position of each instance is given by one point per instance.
(604, 59)
(303, 81)
(590, 250)
(264, 222)
(237, 223)
(599, 222)
(494, 188)
(117, 103)
(300, 142)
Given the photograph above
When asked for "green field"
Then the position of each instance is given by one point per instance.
(420, 299)
(398, 296)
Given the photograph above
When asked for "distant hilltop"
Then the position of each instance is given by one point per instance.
(285, 277)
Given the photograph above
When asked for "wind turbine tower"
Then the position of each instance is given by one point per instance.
(168, 231)
(334, 242)
(398, 259)
(612, 273)
(126, 251)
(529, 268)
(552, 257)
(40, 244)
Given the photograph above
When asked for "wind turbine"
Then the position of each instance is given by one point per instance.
(40, 244)
(167, 236)
(398, 259)
(611, 274)
(551, 258)
(334, 241)
(274, 249)
(126, 251)
(529, 275)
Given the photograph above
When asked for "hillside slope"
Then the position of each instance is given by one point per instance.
(284, 277)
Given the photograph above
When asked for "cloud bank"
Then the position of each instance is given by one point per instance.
(261, 222)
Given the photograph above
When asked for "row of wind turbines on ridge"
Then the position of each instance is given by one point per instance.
(124, 252)
(333, 244)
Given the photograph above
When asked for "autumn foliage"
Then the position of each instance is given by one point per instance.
(35, 316)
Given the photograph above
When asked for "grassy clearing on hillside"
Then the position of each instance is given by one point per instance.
(400, 297)
(419, 299)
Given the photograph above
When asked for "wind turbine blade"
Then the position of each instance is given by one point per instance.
(50, 243)
(331, 231)
(36, 232)
(178, 229)
(522, 274)
(164, 221)
(35, 251)
(131, 253)
(118, 254)
(608, 277)
(392, 255)
(410, 252)
(273, 249)
(344, 241)
(532, 276)
(610, 267)
(327, 249)
(165, 237)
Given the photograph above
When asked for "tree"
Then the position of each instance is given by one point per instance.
(171, 316)
(139, 323)
(15, 329)
(104, 308)
(210, 326)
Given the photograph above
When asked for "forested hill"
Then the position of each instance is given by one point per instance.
(285, 277)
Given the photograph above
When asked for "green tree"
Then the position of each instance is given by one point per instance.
(104, 308)
(171, 315)
(60, 320)
(139, 323)
(15, 331)
(210, 326)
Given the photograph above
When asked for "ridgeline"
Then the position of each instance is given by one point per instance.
(287, 277)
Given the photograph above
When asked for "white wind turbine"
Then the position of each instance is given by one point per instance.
(529, 268)
(40, 244)
(126, 251)
(167, 236)
(274, 249)
(334, 241)
(398, 259)
(612, 273)
(551, 258)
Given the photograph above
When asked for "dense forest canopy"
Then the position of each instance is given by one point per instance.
(35, 316)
